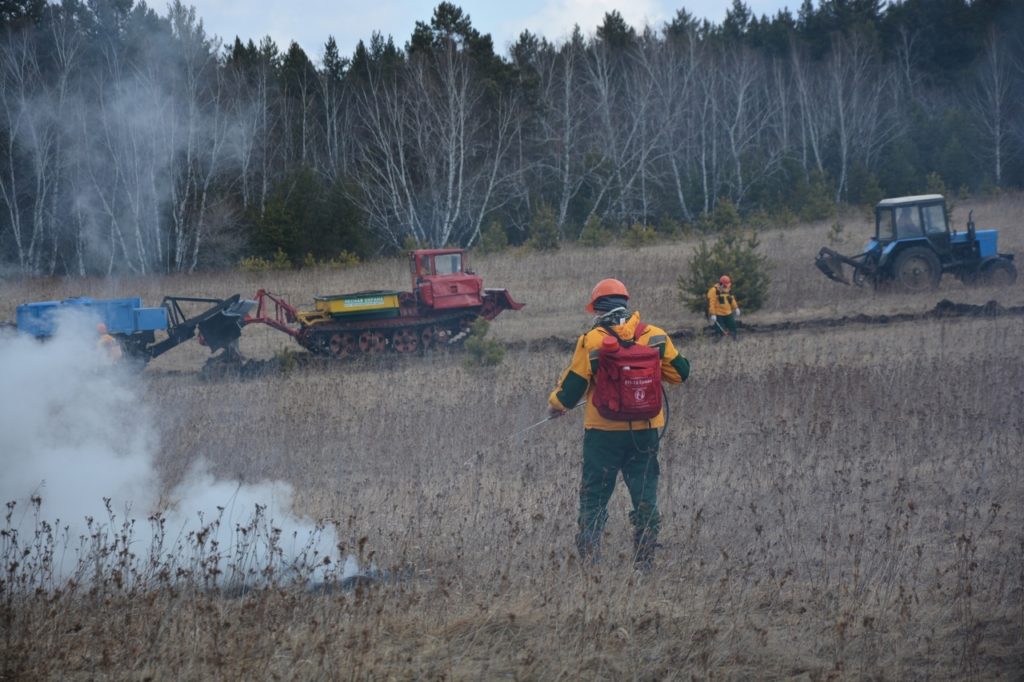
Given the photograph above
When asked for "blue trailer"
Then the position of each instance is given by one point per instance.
(123, 316)
(134, 326)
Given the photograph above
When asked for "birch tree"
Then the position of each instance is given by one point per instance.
(991, 101)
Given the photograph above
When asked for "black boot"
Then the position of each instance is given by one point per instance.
(643, 550)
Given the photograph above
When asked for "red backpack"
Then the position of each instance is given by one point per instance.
(627, 384)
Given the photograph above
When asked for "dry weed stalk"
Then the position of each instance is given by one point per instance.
(836, 504)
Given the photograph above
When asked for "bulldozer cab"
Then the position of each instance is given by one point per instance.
(434, 262)
(441, 279)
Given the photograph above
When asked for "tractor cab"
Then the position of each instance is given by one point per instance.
(912, 218)
(441, 279)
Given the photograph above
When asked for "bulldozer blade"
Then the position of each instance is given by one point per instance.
(831, 265)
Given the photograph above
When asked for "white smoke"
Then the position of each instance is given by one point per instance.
(76, 434)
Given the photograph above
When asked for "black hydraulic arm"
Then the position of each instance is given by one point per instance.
(220, 324)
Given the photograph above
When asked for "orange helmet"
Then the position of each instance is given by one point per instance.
(606, 287)
(101, 329)
(725, 281)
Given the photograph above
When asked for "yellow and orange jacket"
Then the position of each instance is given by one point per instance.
(578, 380)
(721, 302)
(109, 346)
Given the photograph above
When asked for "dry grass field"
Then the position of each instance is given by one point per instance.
(837, 504)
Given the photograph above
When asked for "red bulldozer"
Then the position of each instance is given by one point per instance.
(446, 298)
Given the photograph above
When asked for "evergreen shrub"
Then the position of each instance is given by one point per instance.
(544, 229)
(493, 239)
(734, 254)
(482, 351)
(594, 233)
(639, 234)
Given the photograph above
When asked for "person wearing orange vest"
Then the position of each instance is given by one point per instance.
(723, 309)
(107, 344)
(611, 446)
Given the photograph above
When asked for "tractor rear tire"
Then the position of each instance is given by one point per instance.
(1000, 273)
(917, 269)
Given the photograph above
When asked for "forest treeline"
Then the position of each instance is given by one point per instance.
(133, 141)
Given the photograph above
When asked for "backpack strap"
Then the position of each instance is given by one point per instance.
(611, 332)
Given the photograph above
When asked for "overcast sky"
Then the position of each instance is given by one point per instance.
(310, 22)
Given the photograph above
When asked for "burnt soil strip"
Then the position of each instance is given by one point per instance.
(944, 309)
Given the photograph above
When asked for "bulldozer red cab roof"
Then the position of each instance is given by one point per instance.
(436, 252)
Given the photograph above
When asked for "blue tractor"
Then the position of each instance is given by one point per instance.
(913, 247)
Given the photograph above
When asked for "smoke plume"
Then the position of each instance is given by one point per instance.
(77, 446)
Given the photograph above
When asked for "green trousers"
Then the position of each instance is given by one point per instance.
(726, 323)
(605, 454)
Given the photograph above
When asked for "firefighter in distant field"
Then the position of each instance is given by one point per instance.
(107, 344)
(723, 309)
(619, 366)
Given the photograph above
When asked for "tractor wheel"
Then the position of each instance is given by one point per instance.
(917, 269)
(1000, 273)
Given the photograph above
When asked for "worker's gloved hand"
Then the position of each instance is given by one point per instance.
(555, 411)
(713, 318)
(737, 313)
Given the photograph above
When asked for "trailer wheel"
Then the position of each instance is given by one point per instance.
(1000, 273)
(917, 269)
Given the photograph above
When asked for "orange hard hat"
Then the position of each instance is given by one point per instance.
(606, 287)
(101, 328)
(725, 281)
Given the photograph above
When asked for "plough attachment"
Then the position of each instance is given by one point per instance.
(218, 326)
(831, 263)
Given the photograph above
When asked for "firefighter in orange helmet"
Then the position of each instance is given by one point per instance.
(613, 445)
(723, 309)
(107, 344)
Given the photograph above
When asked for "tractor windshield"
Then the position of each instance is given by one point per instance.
(885, 224)
(898, 222)
(448, 264)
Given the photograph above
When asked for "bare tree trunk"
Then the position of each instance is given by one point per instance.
(812, 108)
(991, 101)
(563, 122)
